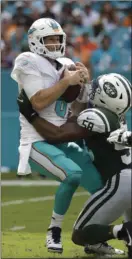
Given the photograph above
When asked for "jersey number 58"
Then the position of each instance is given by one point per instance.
(88, 125)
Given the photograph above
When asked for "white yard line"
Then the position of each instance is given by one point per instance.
(15, 228)
(46, 198)
(29, 183)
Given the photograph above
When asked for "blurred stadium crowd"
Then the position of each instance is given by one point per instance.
(98, 32)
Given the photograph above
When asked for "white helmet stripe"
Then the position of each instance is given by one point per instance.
(127, 88)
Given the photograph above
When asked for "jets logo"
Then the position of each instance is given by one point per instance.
(110, 90)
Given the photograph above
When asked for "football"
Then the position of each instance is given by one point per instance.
(71, 92)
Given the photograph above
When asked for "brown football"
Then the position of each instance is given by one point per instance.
(71, 92)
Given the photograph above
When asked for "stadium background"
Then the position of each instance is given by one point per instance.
(90, 26)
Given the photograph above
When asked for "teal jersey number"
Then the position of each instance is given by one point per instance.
(61, 108)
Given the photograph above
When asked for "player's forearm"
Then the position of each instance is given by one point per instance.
(55, 135)
(77, 107)
(45, 97)
(46, 129)
(71, 131)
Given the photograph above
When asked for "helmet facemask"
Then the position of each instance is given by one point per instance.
(59, 49)
(38, 46)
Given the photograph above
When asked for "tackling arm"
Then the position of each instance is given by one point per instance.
(69, 131)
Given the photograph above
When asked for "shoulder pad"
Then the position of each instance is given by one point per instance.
(27, 56)
(95, 120)
(25, 63)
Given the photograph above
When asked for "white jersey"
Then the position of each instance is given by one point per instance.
(35, 66)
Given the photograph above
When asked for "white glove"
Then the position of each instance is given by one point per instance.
(119, 136)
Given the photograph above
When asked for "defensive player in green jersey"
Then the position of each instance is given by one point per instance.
(113, 161)
(107, 158)
(113, 93)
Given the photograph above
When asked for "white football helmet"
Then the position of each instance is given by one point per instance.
(42, 28)
(111, 91)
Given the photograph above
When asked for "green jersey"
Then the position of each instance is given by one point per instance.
(108, 158)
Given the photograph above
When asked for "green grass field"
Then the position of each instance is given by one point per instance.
(24, 225)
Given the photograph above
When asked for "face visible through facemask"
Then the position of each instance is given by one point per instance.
(52, 43)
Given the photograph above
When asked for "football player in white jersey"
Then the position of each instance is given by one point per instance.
(38, 72)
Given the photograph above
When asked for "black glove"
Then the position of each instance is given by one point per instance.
(129, 140)
(25, 107)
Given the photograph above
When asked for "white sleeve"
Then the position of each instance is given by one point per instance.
(26, 73)
(31, 84)
(25, 63)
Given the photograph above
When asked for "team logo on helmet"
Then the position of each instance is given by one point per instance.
(110, 90)
(54, 26)
(30, 31)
